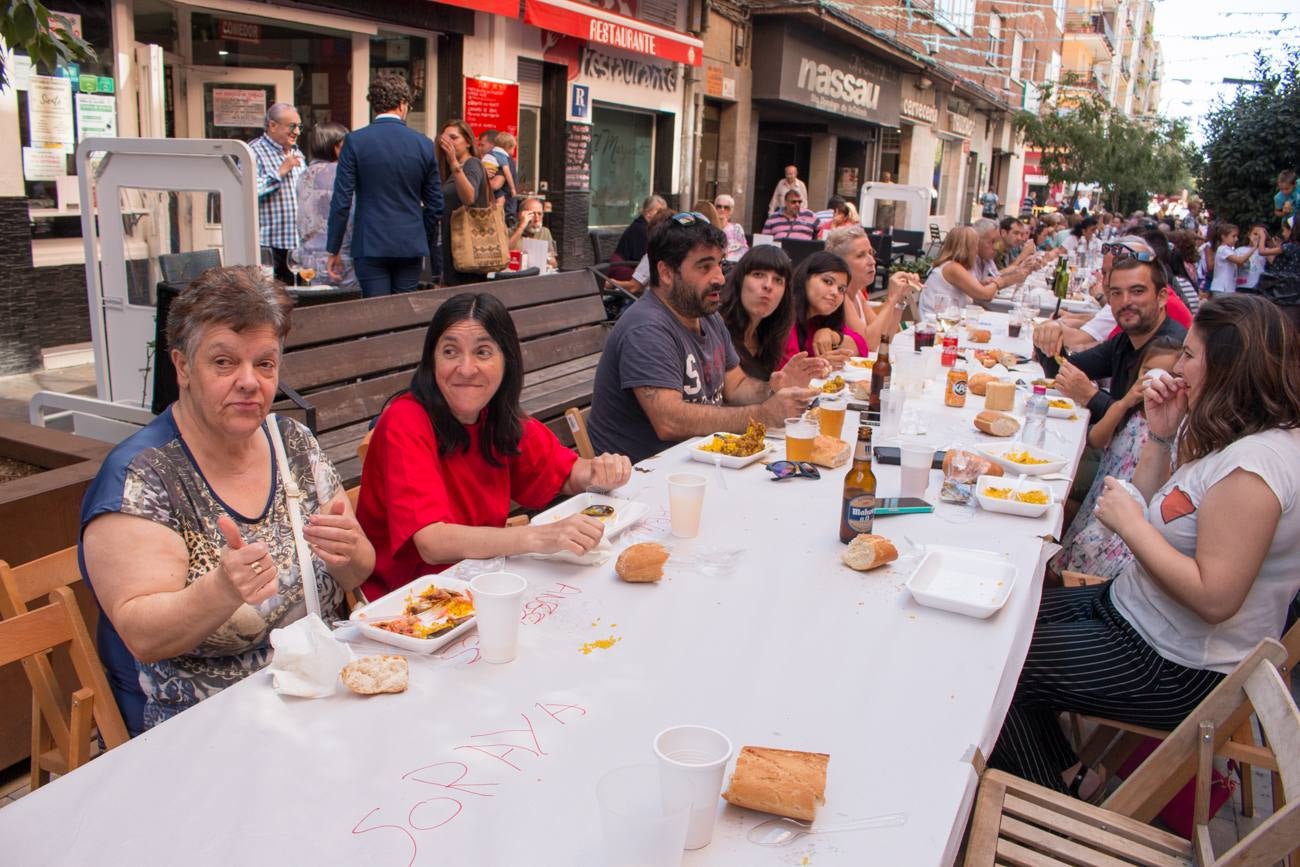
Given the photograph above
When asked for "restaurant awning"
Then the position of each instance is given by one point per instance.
(617, 31)
(508, 8)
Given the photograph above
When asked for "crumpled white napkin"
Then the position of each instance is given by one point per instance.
(596, 556)
(307, 659)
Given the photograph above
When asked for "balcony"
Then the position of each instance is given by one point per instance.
(1095, 29)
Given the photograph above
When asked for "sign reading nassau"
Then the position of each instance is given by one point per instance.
(824, 75)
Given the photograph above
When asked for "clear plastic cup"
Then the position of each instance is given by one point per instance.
(685, 502)
(692, 760)
(799, 436)
(639, 828)
(891, 411)
(830, 416)
(914, 465)
(498, 605)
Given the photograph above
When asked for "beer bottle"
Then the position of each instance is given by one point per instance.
(858, 509)
(879, 375)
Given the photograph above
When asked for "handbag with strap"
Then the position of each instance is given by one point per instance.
(293, 500)
(479, 241)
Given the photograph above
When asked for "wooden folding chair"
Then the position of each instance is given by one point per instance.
(1018, 822)
(27, 636)
(577, 419)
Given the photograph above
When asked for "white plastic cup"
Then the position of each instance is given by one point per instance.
(638, 826)
(914, 463)
(685, 502)
(498, 605)
(692, 760)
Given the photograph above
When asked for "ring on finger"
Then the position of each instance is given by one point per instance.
(257, 567)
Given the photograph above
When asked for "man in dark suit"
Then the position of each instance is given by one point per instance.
(394, 174)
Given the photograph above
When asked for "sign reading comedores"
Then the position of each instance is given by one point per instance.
(491, 104)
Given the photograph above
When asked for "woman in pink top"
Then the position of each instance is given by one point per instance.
(818, 289)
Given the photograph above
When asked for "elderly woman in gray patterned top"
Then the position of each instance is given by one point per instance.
(186, 538)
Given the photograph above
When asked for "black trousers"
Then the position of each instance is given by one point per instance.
(1085, 657)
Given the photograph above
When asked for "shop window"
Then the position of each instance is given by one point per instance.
(1017, 55)
(320, 64)
(622, 156)
(995, 40)
(405, 57)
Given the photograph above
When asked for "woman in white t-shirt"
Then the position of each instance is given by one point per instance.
(951, 282)
(1217, 549)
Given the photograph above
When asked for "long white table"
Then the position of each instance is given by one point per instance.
(757, 629)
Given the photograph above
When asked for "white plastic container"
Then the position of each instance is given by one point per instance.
(997, 453)
(626, 512)
(1011, 506)
(394, 604)
(965, 582)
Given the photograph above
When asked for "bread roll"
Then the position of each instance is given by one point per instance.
(830, 452)
(998, 424)
(783, 782)
(978, 382)
(1009, 359)
(979, 335)
(977, 465)
(1000, 396)
(868, 551)
(371, 675)
(639, 564)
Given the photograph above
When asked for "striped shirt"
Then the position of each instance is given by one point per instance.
(801, 228)
(277, 197)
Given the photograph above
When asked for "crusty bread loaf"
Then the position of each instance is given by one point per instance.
(642, 563)
(976, 466)
(978, 382)
(370, 675)
(979, 335)
(1000, 396)
(783, 782)
(998, 424)
(868, 551)
(830, 452)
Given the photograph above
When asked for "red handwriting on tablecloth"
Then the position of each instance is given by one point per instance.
(430, 814)
(545, 604)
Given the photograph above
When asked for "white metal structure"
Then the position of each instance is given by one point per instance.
(121, 330)
(912, 213)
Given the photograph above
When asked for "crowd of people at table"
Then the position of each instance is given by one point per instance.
(190, 555)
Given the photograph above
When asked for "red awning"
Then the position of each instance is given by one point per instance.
(578, 19)
(508, 8)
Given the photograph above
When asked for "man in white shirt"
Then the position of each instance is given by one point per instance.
(786, 184)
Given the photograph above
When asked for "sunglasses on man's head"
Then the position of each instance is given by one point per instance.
(1121, 251)
(790, 469)
(689, 218)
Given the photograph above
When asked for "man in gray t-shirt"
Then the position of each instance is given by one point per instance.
(669, 371)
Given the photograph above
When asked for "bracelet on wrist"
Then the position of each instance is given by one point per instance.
(1167, 442)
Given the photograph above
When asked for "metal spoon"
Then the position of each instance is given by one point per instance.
(783, 832)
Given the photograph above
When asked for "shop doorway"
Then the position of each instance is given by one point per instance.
(970, 200)
(775, 152)
(707, 171)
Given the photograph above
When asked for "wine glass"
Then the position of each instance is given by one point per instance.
(268, 262)
(294, 261)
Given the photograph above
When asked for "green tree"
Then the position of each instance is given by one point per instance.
(27, 26)
(1249, 140)
(1085, 141)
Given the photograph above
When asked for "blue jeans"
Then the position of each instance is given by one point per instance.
(382, 275)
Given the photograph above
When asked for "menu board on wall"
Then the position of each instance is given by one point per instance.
(577, 157)
(238, 107)
(44, 164)
(491, 104)
(49, 111)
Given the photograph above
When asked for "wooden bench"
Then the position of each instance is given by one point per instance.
(344, 361)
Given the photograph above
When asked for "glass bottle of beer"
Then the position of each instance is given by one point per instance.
(880, 372)
(858, 509)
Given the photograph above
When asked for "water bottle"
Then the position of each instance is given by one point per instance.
(1035, 430)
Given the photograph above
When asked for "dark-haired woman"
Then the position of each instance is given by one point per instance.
(315, 189)
(1216, 548)
(449, 455)
(758, 309)
(818, 288)
(463, 181)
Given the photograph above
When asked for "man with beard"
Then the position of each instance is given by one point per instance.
(669, 371)
(1137, 292)
(530, 227)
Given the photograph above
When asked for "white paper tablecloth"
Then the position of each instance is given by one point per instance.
(758, 630)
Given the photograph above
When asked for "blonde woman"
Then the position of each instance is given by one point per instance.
(952, 282)
(851, 244)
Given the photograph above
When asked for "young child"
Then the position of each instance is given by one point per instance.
(1088, 546)
(1223, 247)
(1257, 251)
(1287, 200)
(496, 163)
